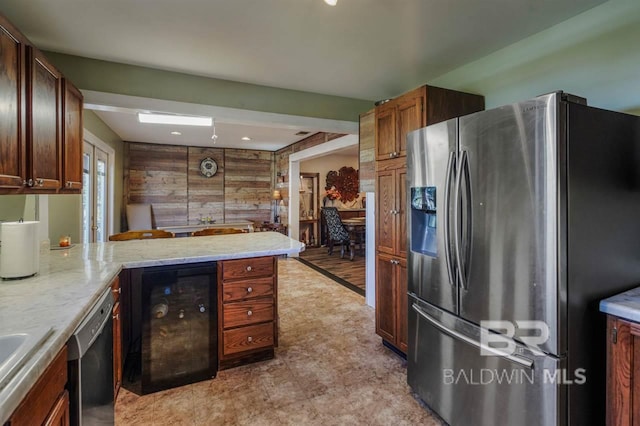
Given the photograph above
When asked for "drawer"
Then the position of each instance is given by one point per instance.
(239, 290)
(247, 268)
(247, 338)
(248, 312)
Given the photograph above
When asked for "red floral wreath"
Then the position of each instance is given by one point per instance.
(343, 184)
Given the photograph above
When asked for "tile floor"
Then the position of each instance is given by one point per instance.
(330, 369)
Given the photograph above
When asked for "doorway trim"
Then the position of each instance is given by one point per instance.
(323, 149)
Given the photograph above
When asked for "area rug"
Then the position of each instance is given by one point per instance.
(349, 273)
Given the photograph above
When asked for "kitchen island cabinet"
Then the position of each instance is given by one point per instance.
(71, 281)
(247, 310)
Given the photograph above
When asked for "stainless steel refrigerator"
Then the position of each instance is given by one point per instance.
(521, 219)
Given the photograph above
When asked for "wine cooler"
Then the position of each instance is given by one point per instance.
(177, 337)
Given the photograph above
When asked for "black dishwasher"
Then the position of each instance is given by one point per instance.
(174, 327)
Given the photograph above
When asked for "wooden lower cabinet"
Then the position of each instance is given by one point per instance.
(391, 300)
(247, 310)
(623, 372)
(117, 338)
(47, 403)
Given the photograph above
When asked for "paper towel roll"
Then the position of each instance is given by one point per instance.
(20, 251)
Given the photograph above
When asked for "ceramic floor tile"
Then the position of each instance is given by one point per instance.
(330, 369)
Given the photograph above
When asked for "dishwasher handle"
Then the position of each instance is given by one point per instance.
(90, 327)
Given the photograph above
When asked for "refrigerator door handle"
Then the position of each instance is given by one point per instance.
(456, 219)
(457, 335)
(445, 223)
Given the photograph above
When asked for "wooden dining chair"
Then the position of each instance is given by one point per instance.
(145, 234)
(216, 231)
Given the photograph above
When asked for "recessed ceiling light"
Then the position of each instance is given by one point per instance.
(331, 2)
(246, 138)
(176, 133)
(184, 120)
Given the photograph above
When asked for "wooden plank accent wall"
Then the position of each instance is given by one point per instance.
(168, 177)
(158, 176)
(367, 151)
(205, 195)
(248, 184)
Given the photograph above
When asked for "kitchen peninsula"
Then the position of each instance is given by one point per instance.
(71, 281)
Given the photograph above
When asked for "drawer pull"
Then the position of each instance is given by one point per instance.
(249, 289)
(249, 268)
(116, 290)
(249, 313)
(116, 317)
(249, 339)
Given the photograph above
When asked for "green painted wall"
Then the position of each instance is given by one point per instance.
(12, 207)
(594, 55)
(111, 77)
(65, 210)
(95, 125)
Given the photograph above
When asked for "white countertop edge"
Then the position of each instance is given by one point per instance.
(206, 258)
(624, 305)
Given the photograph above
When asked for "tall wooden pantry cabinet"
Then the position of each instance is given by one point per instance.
(393, 120)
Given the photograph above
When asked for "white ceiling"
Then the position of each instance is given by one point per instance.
(366, 49)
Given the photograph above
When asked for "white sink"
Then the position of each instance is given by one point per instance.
(15, 350)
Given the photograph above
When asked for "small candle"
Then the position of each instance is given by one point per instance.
(65, 241)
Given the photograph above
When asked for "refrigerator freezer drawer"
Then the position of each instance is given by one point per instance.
(448, 371)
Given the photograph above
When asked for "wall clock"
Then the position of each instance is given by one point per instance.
(208, 167)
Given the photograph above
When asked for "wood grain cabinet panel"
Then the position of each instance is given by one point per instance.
(395, 119)
(247, 310)
(44, 122)
(59, 416)
(47, 401)
(623, 372)
(239, 290)
(117, 337)
(72, 138)
(245, 339)
(386, 298)
(12, 131)
(41, 116)
(247, 268)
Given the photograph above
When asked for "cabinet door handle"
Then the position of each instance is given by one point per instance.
(249, 268)
(249, 313)
(39, 182)
(116, 317)
(249, 289)
(116, 290)
(27, 182)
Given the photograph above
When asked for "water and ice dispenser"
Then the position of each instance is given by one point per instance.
(424, 220)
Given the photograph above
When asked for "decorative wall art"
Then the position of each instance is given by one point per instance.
(342, 185)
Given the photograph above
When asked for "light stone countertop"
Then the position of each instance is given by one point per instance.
(70, 281)
(624, 305)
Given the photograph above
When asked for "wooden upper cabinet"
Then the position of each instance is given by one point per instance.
(416, 109)
(72, 138)
(385, 132)
(12, 131)
(44, 122)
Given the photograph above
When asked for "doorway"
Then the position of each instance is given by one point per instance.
(332, 147)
